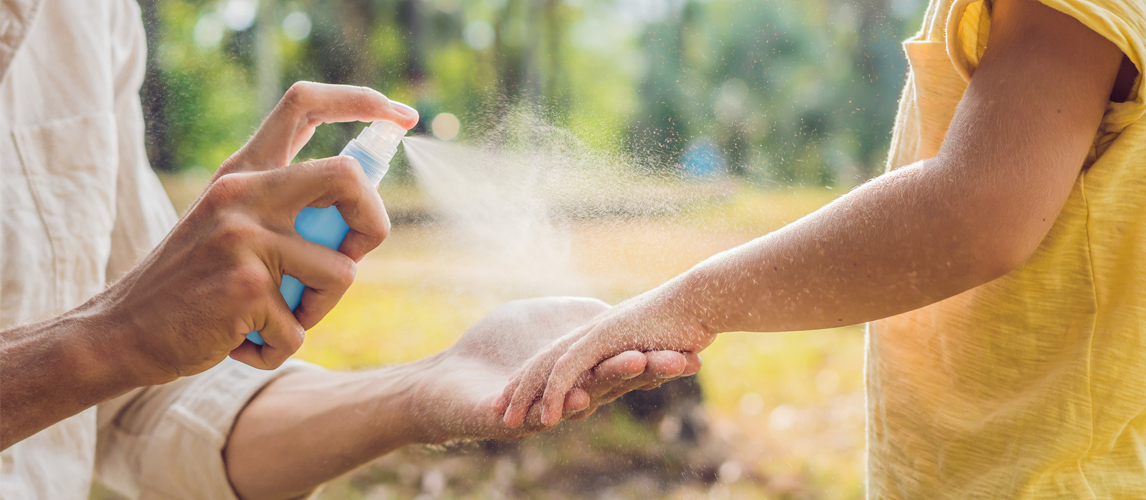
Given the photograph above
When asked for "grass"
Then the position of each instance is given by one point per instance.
(785, 410)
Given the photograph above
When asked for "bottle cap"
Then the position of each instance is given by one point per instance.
(379, 142)
(388, 131)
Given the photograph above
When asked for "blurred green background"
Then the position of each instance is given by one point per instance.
(781, 104)
(786, 91)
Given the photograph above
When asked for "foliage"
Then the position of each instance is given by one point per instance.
(787, 92)
(790, 92)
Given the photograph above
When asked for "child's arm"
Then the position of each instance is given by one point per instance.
(912, 237)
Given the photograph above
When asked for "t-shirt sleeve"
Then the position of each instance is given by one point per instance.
(1123, 22)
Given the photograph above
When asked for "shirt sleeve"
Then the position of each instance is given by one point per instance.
(144, 214)
(1123, 22)
(166, 442)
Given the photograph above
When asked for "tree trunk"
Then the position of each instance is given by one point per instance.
(268, 70)
(153, 95)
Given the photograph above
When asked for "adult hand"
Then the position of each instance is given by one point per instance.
(455, 399)
(304, 107)
(216, 276)
(645, 323)
(309, 426)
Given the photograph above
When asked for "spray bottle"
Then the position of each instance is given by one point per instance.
(373, 149)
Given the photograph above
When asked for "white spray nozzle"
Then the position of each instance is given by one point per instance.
(379, 142)
(388, 130)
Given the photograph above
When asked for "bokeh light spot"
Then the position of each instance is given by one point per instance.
(445, 126)
(239, 14)
(751, 404)
(478, 35)
(296, 26)
(208, 31)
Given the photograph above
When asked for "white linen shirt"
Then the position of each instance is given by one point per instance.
(79, 205)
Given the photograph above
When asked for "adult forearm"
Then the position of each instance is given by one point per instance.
(310, 426)
(57, 368)
(900, 242)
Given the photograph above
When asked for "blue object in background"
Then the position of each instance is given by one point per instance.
(373, 149)
(702, 159)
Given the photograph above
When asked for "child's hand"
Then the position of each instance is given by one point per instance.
(645, 323)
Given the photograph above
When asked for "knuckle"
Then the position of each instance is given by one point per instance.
(248, 282)
(345, 170)
(295, 340)
(231, 164)
(345, 272)
(383, 231)
(226, 190)
(367, 94)
(234, 231)
(376, 234)
(559, 371)
(298, 95)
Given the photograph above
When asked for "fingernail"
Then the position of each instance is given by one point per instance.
(629, 376)
(404, 108)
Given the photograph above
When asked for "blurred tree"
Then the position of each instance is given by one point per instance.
(153, 95)
(268, 72)
(658, 130)
(790, 92)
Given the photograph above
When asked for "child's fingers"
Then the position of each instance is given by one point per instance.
(530, 383)
(502, 402)
(605, 378)
(568, 367)
(532, 421)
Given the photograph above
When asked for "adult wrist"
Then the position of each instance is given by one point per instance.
(53, 370)
(97, 371)
(113, 347)
(399, 395)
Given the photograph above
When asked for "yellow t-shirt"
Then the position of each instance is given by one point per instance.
(1033, 385)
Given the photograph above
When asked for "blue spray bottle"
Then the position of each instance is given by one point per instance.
(373, 149)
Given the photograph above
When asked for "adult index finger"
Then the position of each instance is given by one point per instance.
(305, 106)
(611, 372)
